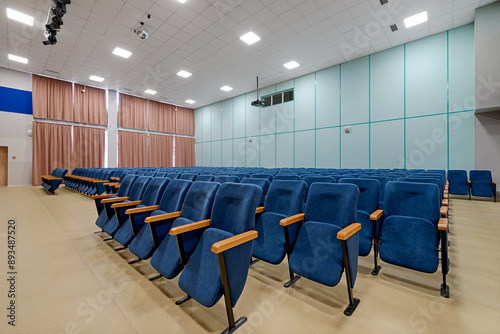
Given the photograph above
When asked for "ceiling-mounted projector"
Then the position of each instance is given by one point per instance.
(257, 103)
(141, 31)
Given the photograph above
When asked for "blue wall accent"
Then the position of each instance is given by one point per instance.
(411, 106)
(16, 101)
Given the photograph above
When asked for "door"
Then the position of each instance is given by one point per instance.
(4, 165)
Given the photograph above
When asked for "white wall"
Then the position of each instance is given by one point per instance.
(14, 128)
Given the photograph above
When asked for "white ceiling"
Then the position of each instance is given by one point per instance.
(202, 37)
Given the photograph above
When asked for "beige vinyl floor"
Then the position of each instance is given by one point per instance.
(70, 281)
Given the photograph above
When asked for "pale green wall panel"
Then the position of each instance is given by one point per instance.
(252, 152)
(387, 144)
(387, 75)
(328, 97)
(328, 148)
(198, 114)
(284, 85)
(284, 150)
(267, 120)
(252, 116)
(285, 117)
(227, 153)
(462, 140)
(305, 151)
(207, 124)
(427, 143)
(355, 91)
(355, 147)
(264, 91)
(239, 152)
(304, 102)
(461, 41)
(216, 154)
(198, 155)
(227, 119)
(239, 116)
(267, 148)
(207, 154)
(216, 121)
(426, 76)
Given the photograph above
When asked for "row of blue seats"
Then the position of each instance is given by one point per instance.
(158, 218)
(479, 184)
(53, 181)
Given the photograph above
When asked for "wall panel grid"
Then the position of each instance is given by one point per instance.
(410, 106)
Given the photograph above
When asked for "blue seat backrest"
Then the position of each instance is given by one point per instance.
(317, 178)
(205, 178)
(233, 203)
(173, 176)
(286, 177)
(189, 177)
(224, 179)
(480, 175)
(262, 183)
(139, 187)
(286, 197)
(174, 194)
(199, 200)
(263, 176)
(369, 193)
(457, 175)
(154, 191)
(126, 185)
(332, 203)
(412, 200)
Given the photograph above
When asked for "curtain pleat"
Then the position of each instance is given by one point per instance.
(90, 107)
(184, 152)
(88, 147)
(184, 121)
(52, 99)
(132, 112)
(51, 149)
(161, 150)
(132, 149)
(161, 117)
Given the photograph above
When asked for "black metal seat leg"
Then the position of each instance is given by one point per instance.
(293, 278)
(183, 300)
(237, 325)
(135, 261)
(155, 277)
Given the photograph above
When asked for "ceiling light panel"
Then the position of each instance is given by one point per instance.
(291, 65)
(96, 78)
(250, 38)
(226, 88)
(184, 74)
(20, 17)
(122, 53)
(150, 92)
(190, 101)
(415, 20)
(18, 59)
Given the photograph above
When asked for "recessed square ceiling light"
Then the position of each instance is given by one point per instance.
(18, 59)
(181, 1)
(20, 17)
(122, 53)
(96, 78)
(184, 74)
(226, 88)
(150, 91)
(190, 101)
(416, 19)
(291, 65)
(250, 38)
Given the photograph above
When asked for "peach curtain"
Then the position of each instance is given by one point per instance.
(184, 121)
(88, 147)
(132, 112)
(52, 99)
(51, 149)
(132, 149)
(90, 107)
(161, 117)
(161, 150)
(184, 152)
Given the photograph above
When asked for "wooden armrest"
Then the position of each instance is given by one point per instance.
(101, 181)
(142, 210)
(232, 242)
(443, 224)
(377, 215)
(494, 182)
(117, 186)
(469, 182)
(444, 210)
(349, 231)
(445, 196)
(189, 227)
(114, 200)
(115, 178)
(259, 210)
(125, 204)
(293, 219)
(111, 184)
(445, 202)
(165, 216)
(102, 196)
(50, 177)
